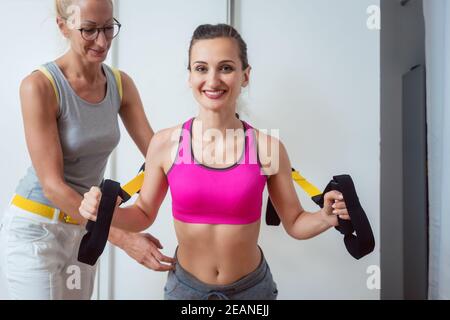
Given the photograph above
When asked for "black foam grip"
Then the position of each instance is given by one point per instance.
(362, 242)
(358, 245)
(94, 241)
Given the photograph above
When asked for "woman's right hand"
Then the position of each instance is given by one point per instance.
(90, 203)
(145, 249)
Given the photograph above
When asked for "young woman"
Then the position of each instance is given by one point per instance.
(70, 111)
(217, 204)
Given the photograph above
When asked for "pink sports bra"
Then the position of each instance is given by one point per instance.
(205, 195)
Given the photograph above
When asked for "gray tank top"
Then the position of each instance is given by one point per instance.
(88, 134)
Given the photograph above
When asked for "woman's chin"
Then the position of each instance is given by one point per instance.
(96, 60)
(93, 58)
(215, 106)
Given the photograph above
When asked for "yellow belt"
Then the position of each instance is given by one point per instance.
(41, 209)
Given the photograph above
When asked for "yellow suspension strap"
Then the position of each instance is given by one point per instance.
(307, 186)
(272, 218)
(134, 185)
(94, 241)
(358, 235)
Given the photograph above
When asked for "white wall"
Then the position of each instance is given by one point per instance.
(29, 38)
(315, 77)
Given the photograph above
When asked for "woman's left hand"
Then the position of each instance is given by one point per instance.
(333, 207)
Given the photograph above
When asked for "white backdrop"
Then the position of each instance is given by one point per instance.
(315, 78)
(30, 39)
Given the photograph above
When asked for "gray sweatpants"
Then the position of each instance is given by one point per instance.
(257, 285)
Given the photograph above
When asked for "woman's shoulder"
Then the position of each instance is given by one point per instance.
(167, 137)
(36, 82)
(162, 144)
(270, 150)
(265, 139)
(38, 89)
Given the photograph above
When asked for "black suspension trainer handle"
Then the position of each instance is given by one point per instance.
(358, 235)
(94, 241)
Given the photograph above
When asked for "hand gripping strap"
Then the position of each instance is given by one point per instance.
(363, 242)
(357, 245)
(94, 241)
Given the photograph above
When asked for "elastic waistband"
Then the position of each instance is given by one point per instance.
(242, 284)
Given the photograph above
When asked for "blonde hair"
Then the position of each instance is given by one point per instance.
(62, 7)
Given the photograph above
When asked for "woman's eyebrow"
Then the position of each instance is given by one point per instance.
(223, 61)
(88, 22)
(95, 23)
(227, 61)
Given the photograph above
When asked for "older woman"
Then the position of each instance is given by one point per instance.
(70, 111)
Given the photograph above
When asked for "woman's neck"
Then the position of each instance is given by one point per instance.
(74, 67)
(218, 120)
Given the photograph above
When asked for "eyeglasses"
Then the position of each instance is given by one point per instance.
(110, 31)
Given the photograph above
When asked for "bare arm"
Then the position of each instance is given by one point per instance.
(133, 115)
(137, 125)
(297, 222)
(142, 247)
(39, 112)
(142, 213)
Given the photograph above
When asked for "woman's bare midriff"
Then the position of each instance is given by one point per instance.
(218, 254)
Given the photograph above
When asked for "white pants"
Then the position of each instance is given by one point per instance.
(38, 258)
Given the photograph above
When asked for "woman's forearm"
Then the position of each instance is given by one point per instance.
(131, 218)
(68, 201)
(309, 224)
(65, 199)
